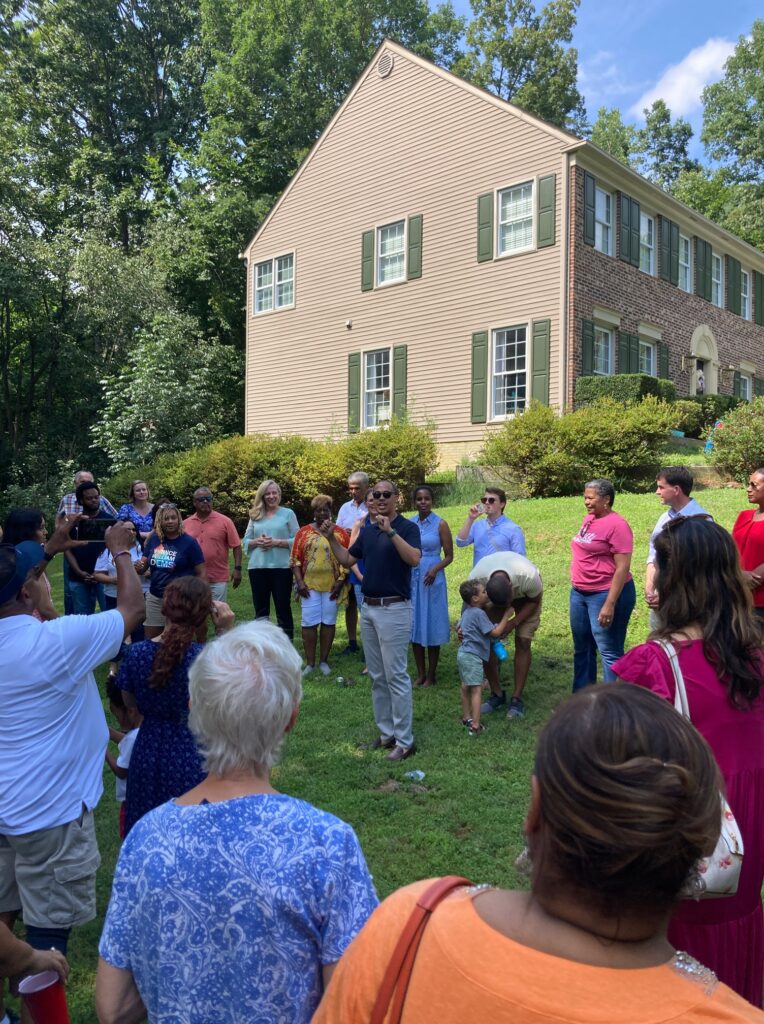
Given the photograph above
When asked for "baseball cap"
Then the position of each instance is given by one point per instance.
(15, 563)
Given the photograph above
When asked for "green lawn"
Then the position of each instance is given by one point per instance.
(466, 816)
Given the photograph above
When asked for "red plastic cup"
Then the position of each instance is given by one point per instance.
(45, 997)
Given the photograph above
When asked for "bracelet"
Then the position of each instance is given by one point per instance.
(118, 553)
(393, 533)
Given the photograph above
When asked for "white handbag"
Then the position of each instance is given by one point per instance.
(719, 873)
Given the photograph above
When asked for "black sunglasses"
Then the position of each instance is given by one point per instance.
(490, 501)
(203, 497)
(381, 494)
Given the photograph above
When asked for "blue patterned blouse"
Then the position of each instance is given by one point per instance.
(227, 912)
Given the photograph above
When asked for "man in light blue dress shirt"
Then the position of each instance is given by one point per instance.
(673, 485)
(494, 533)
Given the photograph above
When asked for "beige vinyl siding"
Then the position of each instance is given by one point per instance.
(413, 143)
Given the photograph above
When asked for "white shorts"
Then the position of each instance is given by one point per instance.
(317, 608)
(219, 591)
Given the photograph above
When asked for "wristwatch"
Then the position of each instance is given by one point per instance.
(393, 533)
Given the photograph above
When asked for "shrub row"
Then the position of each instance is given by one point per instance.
(545, 454)
(739, 443)
(234, 468)
(623, 387)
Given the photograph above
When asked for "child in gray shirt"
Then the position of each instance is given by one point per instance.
(477, 633)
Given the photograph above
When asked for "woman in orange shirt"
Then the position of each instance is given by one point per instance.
(625, 801)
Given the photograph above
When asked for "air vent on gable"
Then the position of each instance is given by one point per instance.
(385, 64)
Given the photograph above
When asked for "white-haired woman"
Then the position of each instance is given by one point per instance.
(268, 542)
(233, 902)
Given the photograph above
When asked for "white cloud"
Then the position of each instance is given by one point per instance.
(681, 84)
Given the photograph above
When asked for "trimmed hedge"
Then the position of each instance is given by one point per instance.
(623, 387)
(235, 467)
(739, 444)
(547, 455)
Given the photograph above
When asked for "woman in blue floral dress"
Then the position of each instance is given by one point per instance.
(429, 621)
(154, 677)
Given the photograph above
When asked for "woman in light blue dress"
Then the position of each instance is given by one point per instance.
(429, 622)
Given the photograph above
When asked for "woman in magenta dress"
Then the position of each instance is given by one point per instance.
(706, 612)
(748, 535)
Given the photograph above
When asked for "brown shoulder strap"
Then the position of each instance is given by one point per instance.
(396, 979)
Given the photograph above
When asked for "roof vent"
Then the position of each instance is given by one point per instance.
(385, 64)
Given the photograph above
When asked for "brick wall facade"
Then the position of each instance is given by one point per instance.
(607, 281)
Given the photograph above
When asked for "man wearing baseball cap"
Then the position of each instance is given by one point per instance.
(54, 736)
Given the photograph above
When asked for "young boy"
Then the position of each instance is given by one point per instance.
(130, 720)
(477, 632)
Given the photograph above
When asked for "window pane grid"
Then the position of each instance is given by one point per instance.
(391, 257)
(377, 403)
(516, 218)
(717, 290)
(603, 213)
(603, 350)
(744, 285)
(509, 371)
(264, 286)
(647, 358)
(685, 269)
(646, 244)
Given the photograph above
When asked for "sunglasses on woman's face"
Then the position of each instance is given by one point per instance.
(381, 494)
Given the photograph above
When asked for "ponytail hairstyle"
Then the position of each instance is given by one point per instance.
(186, 605)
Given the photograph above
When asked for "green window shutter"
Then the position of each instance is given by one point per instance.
(589, 204)
(625, 228)
(479, 400)
(587, 348)
(633, 353)
(546, 203)
(758, 298)
(400, 372)
(623, 352)
(540, 352)
(367, 261)
(414, 261)
(663, 360)
(736, 384)
(354, 392)
(674, 272)
(665, 262)
(733, 285)
(703, 269)
(635, 213)
(485, 206)
(758, 386)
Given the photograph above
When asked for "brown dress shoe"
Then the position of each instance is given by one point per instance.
(378, 744)
(401, 753)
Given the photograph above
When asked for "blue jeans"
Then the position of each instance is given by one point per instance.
(589, 636)
(84, 596)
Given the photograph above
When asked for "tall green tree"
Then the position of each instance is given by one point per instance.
(524, 56)
(661, 148)
(610, 133)
(733, 110)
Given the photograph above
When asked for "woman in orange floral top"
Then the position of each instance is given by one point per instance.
(320, 582)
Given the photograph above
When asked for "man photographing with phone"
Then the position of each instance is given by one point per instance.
(83, 586)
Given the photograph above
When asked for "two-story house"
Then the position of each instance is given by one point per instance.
(443, 252)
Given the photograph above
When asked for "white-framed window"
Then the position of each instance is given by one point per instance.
(391, 252)
(274, 284)
(717, 280)
(685, 264)
(515, 219)
(603, 221)
(745, 295)
(647, 358)
(746, 386)
(646, 243)
(603, 351)
(509, 387)
(377, 389)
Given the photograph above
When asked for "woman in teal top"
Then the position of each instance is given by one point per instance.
(268, 542)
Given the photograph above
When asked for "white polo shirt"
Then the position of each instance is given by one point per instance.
(526, 579)
(53, 731)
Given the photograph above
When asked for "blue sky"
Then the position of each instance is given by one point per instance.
(631, 52)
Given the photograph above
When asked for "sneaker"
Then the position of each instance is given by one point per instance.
(323, 668)
(466, 722)
(516, 708)
(474, 730)
(493, 703)
(351, 649)
(307, 670)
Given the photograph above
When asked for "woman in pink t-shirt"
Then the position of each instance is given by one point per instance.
(602, 596)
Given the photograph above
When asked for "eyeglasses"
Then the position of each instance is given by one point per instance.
(490, 501)
(203, 497)
(381, 494)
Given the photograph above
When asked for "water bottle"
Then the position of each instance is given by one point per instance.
(417, 775)
(499, 650)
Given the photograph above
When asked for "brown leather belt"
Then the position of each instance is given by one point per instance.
(382, 602)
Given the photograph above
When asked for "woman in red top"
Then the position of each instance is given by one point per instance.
(748, 534)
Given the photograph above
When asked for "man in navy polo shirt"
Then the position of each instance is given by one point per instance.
(390, 547)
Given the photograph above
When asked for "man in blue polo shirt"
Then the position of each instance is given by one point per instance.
(390, 547)
(494, 533)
